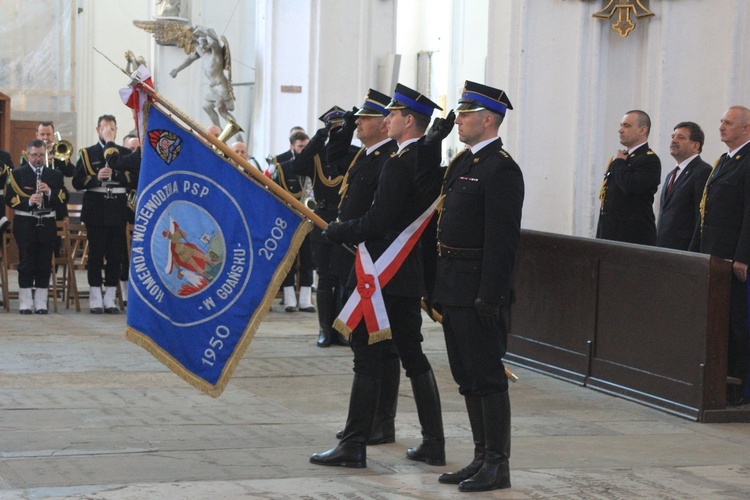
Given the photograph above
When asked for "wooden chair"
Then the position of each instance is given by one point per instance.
(67, 282)
(9, 258)
(78, 250)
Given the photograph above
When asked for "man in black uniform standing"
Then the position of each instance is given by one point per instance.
(45, 131)
(34, 192)
(6, 166)
(630, 182)
(281, 173)
(724, 231)
(105, 171)
(396, 204)
(362, 171)
(478, 232)
(313, 164)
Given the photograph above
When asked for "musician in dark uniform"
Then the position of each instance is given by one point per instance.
(724, 231)
(6, 165)
(45, 131)
(105, 171)
(396, 204)
(286, 155)
(630, 182)
(35, 193)
(478, 232)
(362, 170)
(282, 174)
(312, 163)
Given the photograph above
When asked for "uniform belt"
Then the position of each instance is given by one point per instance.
(32, 214)
(459, 253)
(114, 190)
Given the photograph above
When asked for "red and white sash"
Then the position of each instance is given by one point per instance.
(366, 301)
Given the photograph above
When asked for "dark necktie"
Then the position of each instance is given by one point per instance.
(672, 179)
(718, 168)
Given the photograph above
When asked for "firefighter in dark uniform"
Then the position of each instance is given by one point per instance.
(312, 163)
(294, 185)
(6, 166)
(45, 131)
(478, 232)
(362, 168)
(105, 171)
(396, 204)
(35, 193)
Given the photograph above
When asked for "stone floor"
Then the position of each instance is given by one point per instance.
(85, 414)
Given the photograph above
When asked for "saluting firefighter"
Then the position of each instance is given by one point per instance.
(312, 162)
(35, 193)
(478, 231)
(105, 171)
(361, 169)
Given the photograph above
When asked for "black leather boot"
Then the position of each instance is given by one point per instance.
(324, 299)
(384, 427)
(495, 471)
(427, 398)
(352, 449)
(476, 420)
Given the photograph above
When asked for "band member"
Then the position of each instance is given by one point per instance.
(312, 163)
(396, 204)
(6, 166)
(362, 171)
(478, 231)
(294, 185)
(34, 192)
(58, 157)
(105, 171)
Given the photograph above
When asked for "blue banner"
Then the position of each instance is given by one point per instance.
(210, 248)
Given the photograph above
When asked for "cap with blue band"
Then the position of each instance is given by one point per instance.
(476, 96)
(404, 97)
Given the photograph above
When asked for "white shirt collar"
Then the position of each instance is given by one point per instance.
(374, 147)
(478, 146)
(734, 151)
(630, 151)
(402, 145)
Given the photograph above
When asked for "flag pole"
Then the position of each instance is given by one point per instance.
(247, 168)
(241, 162)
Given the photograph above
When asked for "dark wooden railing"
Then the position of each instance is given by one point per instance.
(643, 323)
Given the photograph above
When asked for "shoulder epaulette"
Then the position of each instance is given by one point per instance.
(403, 151)
(504, 153)
(649, 152)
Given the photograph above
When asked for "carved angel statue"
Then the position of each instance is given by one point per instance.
(217, 68)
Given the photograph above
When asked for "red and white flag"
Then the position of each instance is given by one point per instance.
(136, 94)
(366, 301)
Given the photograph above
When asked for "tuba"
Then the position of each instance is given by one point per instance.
(231, 129)
(61, 150)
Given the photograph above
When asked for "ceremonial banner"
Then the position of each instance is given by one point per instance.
(210, 248)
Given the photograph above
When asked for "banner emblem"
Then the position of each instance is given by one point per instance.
(166, 144)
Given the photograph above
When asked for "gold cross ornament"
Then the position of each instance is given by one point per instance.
(623, 23)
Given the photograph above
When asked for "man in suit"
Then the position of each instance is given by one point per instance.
(479, 228)
(105, 171)
(630, 182)
(396, 204)
(679, 204)
(724, 231)
(361, 170)
(35, 193)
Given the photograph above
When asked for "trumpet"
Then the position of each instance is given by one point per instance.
(231, 129)
(61, 150)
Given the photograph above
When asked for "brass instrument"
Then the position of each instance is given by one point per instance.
(310, 202)
(231, 129)
(61, 150)
(132, 195)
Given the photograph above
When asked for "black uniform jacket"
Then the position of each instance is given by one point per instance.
(97, 208)
(22, 184)
(67, 169)
(312, 162)
(6, 165)
(627, 211)
(481, 210)
(360, 184)
(680, 209)
(396, 204)
(726, 223)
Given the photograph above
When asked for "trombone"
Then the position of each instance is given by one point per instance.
(61, 149)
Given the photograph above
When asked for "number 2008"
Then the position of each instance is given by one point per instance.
(271, 244)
